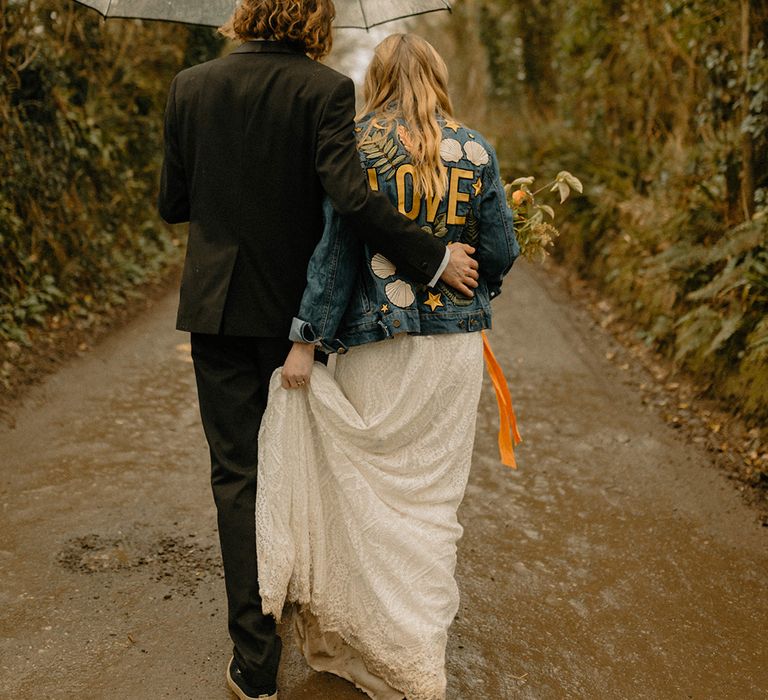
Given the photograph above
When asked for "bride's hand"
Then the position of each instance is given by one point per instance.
(298, 366)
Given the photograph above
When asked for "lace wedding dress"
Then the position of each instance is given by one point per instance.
(360, 477)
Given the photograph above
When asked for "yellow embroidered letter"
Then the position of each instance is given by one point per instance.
(432, 204)
(372, 180)
(402, 171)
(454, 196)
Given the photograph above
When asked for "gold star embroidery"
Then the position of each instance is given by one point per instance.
(477, 187)
(454, 126)
(385, 309)
(434, 301)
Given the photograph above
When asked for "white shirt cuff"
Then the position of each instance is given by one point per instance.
(441, 269)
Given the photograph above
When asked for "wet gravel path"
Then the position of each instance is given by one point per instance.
(616, 562)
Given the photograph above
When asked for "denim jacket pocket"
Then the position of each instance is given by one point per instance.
(365, 301)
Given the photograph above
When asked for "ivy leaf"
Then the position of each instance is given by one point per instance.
(522, 181)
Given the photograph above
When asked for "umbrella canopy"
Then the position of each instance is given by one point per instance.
(349, 13)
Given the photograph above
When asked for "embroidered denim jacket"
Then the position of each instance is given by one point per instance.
(355, 296)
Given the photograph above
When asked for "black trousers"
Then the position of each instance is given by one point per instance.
(233, 383)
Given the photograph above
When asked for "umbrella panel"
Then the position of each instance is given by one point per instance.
(205, 12)
(349, 13)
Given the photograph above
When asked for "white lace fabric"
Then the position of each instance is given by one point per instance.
(360, 476)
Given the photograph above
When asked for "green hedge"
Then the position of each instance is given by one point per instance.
(81, 106)
(661, 108)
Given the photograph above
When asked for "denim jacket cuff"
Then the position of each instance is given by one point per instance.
(302, 332)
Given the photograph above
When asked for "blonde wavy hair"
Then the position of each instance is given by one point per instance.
(306, 23)
(408, 80)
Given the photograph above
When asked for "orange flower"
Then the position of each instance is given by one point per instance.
(518, 197)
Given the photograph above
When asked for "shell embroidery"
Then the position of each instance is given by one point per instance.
(476, 154)
(382, 267)
(400, 293)
(450, 150)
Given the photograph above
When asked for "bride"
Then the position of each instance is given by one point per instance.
(362, 469)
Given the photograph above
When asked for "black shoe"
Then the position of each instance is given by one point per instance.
(242, 688)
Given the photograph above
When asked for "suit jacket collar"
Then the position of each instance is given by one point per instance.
(265, 46)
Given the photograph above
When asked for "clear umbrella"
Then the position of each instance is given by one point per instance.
(349, 13)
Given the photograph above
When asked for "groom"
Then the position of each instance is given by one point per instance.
(253, 143)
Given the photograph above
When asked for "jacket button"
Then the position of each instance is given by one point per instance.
(396, 323)
(341, 351)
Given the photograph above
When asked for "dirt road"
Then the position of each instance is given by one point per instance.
(615, 563)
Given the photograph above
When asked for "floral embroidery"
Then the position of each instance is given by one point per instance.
(450, 150)
(476, 154)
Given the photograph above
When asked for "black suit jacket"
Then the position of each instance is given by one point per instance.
(253, 141)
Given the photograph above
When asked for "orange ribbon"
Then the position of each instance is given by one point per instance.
(508, 433)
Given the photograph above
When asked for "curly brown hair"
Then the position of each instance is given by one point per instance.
(306, 23)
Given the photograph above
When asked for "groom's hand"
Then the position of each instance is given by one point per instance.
(461, 271)
(298, 366)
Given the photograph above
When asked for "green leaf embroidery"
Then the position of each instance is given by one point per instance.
(383, 151)
(457, 298)
(471, 232)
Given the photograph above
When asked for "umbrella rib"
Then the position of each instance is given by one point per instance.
(362, 10)
(394, 19)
